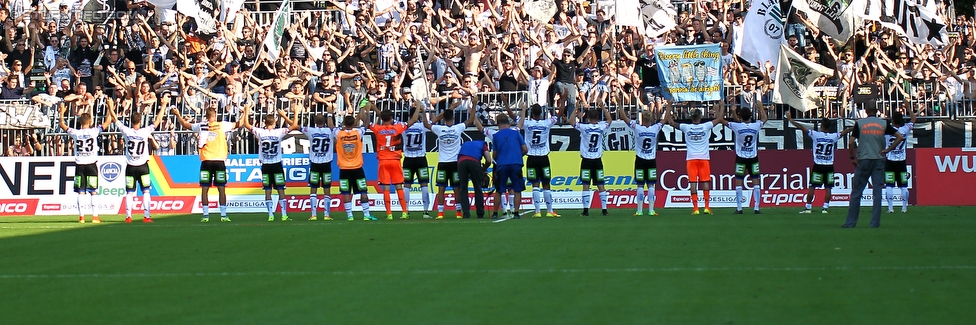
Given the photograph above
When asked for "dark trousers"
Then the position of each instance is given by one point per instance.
(471, 171)
(872, 169)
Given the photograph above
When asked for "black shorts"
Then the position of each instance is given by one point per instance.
(822, 175)
(272, 176)
(591, 171)
(320, 175)
(137, 174)
(352, 181)
(416, 166)
(538, 168)
(746, 166)
(213, 173)
(447, 174)
(896, 173)
(86, 178)
(645, 171)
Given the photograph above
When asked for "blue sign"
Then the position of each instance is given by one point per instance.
(690, 72)
(110, 171)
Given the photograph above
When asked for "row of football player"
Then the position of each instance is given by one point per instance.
(411, 136)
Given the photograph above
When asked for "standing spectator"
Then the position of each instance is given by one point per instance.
(82, 59)
(868, 158)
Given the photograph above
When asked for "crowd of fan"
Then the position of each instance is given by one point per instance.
(338, 55)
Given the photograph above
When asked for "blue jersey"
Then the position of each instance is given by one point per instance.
(508, 144)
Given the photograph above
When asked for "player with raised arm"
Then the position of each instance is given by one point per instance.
(415, 156)
(537, 166)
(592, 134)
(349, 156)
(388, 153)
(86, 159)
(449, 146)
(746, 133)
(824, 145)
(645, 163)
(272, 171)
(697, 137)
(896, 170)
(321, 137)
(137, 150)
(212, 142)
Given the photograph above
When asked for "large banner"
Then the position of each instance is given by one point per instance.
(21, 115)
(945, 174)
(835, 18)
(690, 72)
(658, 17)
(918, 20)
(795, 76)
(762, 33)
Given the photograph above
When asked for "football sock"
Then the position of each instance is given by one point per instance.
(79, 199)
(808, 206)
(826, 205)
(440, 208)
(93, 197)
(457, 207)
(603, 199)
(694, 199)
(365, 205)
(348, 207)
(738, 197)
(504, 198)
(314, 198)
(755, 196)
(511, 201)
(904, 198)
(425, 196)
(327, 200)
(640, 199)
(652, 196)
(269, 207)
(889, 195)
(404, 203)
(206, 210)
(587, 198)
(547, 194)
(223, 210)
(128, 205)
(386, 200)
(406, 197)
(708, 205)
(146, 203)
(536, 193)
(284, 207)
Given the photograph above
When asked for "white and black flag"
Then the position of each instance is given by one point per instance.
(98, 12)
(918, 20)
(835, 18)
(658, 17)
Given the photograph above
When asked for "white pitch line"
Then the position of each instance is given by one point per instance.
(487, 271)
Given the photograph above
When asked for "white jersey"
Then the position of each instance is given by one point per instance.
(697, 137)
(591, 139)
(415, 141)
(86, 144)
(448, 141)
(136, 143)
(898, 153)
(322, 142)
(269, 142)
(746, 138)
(537, 134)
(646, 137)
(823, 147)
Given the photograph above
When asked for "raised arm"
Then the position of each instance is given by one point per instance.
(292, 124)
(159, 117)
(719, 108)
(789, 117)
(61, 109)
(625, 116)
(179, 118)
(108, 117)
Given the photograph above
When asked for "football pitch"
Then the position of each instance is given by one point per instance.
(776, 268)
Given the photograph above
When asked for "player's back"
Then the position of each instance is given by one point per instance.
(824, 145)
(270, 144)
(898, 153)
(349, 148)
(390, 144)
(537, 133)
(697, 138)
(136, 143)
(215, 145)
(415, 141)
(591, 139)
(321, 142)
(746, 138)
(646, 139)
(86, 144)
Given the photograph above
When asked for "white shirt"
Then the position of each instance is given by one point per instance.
(539, 91)
(322, 141)
(898, 153)
(415, 141)
(136, 143)
(270, 144)
(696, 139)
(86, 144)
(823, 147)
(746, 138)
(537, 134)
(448, 141)
(591, 139)
(646, 137)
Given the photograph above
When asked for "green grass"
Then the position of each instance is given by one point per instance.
(776, 268)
